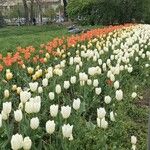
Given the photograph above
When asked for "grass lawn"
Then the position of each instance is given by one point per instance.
(11, 37)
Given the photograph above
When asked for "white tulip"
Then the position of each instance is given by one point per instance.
(65, 111)
(50, 126)
(104, 123)
(51, 95)
(116, 85)
(133, 139)
(58, 89)
(54, 110)
(34, 123)
(7, 106)
(89, 82)
(66, 85)
(76, 103)
(6, 93)
(29, 107)
(18, 115)
(73, 79)
(16, 141)
(67, 130)
(40, 89)
(112, 116)
(45, 82)
(101, 112)
(33, 86)
(95, 82)
(98, 90)
(119, 95)
(107, 99)
(4, 116)
(25, 96)
(134, 95)
(27, 143)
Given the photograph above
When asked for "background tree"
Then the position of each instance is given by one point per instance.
(65, 3)
(26, 11)
(2, 21)
(108, 12)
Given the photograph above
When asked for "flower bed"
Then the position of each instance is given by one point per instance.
(73, 93)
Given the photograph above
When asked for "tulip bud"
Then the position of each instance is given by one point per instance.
(6, 93)
(65, 111)
(9, 76)
(51, 95)
(18, 115)
(67, 130)
(45, 82)
(58, 89)
(16, 141)
(89, 82)
(116, 85)
(73, 79)
(34, 123)
(107, 99)
(112, 117)
(66, 85)
(50, 126)
(14, 87)
(76, 103)
(30, 70)
(119, 95)
(54, 110)
(133, 139)
(27, 143)
(134, 95)
(40, 90)
(95, 82)
(19, 90)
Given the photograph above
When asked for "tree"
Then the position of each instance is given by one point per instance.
(65, 3)
(108, 12)
(50, 13)
(2, 21)
(31, 10)
(26, 11)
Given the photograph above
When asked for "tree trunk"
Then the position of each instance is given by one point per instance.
(65, 10)
(31, 11)
(26, 10)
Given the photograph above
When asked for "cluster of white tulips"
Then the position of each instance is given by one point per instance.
(82, 73)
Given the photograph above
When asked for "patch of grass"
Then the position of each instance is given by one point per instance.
(11, 37)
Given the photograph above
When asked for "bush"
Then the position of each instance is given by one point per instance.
(107, 12)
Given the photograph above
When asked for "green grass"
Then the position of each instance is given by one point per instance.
(11, 37)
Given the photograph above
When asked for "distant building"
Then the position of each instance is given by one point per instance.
(7, 5)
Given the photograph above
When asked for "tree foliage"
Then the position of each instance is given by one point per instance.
(108, 11)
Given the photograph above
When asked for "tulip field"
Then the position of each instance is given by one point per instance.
(77, 92)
